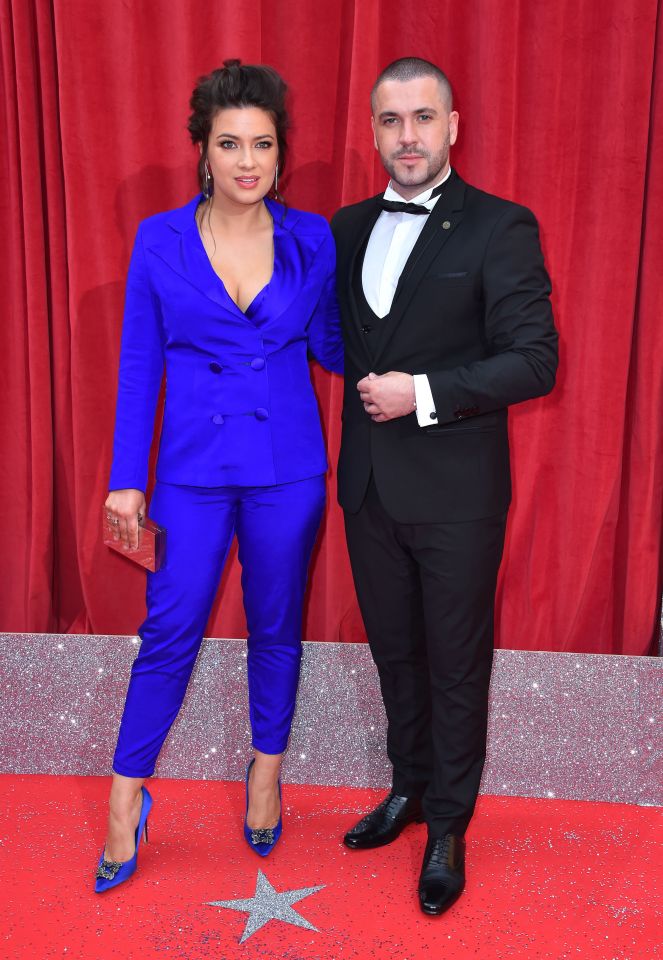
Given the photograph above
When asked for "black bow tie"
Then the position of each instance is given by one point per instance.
(400, 206)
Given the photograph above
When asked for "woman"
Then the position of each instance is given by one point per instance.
(230, 292)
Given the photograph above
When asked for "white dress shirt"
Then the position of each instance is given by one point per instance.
(389, 246)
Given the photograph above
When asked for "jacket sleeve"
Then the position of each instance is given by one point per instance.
(519, 329)
(324, 328)
(141, 370)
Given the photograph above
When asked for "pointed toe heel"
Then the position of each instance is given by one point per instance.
(263, 839)
(111, 873)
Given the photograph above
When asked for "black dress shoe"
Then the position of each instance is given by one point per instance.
(385, 823)
(442, 874)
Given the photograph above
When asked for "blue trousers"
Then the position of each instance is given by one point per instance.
(276, 529)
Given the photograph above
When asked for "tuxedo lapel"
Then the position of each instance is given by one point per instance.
(362, 230)
(442, 221)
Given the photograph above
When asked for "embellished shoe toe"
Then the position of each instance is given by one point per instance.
(261, 839)
(111, 873)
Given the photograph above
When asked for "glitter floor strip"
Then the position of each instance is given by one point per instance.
(575, 726)
(547, 880)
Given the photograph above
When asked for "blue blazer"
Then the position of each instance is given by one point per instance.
(240, 408)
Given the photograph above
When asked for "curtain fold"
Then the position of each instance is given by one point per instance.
(36, 436)
(560, 109)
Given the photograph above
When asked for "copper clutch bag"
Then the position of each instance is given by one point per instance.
(151, 550)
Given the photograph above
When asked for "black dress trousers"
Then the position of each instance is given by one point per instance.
(426, 593)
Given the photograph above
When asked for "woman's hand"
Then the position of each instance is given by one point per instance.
(124, 508)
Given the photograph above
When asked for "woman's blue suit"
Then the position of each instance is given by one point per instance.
(241, 452)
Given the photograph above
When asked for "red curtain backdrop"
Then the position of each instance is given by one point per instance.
(558, 102)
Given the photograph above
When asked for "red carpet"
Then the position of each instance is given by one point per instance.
(546, 879)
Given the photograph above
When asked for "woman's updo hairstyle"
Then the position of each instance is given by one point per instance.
(237, 85)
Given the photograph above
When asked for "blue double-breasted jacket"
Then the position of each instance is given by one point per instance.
(240, 409)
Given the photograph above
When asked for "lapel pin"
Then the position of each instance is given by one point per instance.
(446, 225)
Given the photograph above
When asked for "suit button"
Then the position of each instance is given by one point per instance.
(217, 418)
(366, 328)
(433, 415)
(262, 414)
(257, 363)
(215, 367)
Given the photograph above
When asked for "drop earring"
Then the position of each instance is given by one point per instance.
(276, 182)
(207, 182)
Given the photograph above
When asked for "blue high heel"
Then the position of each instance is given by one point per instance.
(110, 873)
(263, 839)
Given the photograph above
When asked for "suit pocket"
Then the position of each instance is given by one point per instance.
(484, 423)
(460, 276)
(452, 431)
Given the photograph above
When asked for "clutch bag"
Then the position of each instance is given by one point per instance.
(151, 551)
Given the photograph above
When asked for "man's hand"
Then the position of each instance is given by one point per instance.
(388, 396)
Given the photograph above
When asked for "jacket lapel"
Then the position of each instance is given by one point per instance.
(293, 259)
(180, 247)
(362, 231)
(442, 221)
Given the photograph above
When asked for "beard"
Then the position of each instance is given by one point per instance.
(435, 163)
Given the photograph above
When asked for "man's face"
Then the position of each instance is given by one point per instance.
(413, 131)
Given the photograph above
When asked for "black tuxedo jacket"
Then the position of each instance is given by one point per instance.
(472, 311)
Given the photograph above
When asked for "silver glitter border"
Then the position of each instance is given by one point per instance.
(579, 726)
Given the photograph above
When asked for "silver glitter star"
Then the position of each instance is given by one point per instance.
(268, 905)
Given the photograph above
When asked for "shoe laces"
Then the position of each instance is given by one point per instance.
(384, 807)
(439, 854)
(391, 804)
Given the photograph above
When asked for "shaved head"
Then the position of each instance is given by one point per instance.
(412, 68)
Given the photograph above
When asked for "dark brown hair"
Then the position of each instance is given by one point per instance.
(238, 85)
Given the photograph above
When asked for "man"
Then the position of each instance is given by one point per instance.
(447, 321)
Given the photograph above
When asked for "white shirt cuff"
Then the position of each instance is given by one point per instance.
(424, 398)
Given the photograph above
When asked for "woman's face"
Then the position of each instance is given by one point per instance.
(242, 153)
